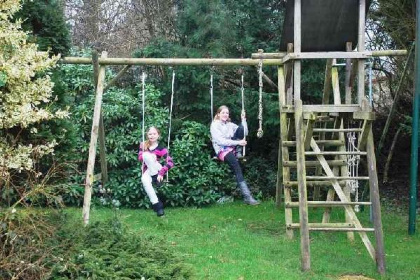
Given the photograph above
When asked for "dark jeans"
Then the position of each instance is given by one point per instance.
(233, 163)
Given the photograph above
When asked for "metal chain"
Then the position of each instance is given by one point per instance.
(260, 131)
(211, 96)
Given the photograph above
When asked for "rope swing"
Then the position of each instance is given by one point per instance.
(170, 115)
(211, 95)
(260, 131)
(243, 107)
(143, 106)
(143, 98)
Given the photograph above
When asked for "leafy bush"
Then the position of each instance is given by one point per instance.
(106, 250)
(38, 244)
(197, 179)
(261, 176)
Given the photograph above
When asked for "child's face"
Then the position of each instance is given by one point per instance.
(224, 114)
(152, 135)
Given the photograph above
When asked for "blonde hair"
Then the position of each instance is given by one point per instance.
(217, 117)
(147, 142)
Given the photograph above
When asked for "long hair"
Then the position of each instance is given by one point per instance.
(216, 117)
(147, 143)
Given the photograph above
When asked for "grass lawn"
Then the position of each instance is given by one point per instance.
(237, 241)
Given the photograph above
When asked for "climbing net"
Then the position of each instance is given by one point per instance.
(353, 161)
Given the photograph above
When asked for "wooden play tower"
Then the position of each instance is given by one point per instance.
(314, 144)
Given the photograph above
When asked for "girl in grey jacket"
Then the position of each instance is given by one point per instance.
(226, 137)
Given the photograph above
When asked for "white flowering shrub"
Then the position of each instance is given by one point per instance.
(25, 97)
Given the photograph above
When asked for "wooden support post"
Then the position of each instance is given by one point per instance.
(335, 84)
(282, 101)
(93, 142)
(367, 126)
(289, 77)
(327, 82)
(348, 81)
(362, 140)
(297, 40)
(303, 196)
(361, 48)
(102, 151)
(344, 173)
(309, 130)
(327, 211)
(325, 100)
(376, 205)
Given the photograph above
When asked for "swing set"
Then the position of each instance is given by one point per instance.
(313, 146)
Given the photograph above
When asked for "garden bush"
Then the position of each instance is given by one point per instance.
(46, 244)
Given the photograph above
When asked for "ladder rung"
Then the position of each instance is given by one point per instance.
(324, 119)
(344, 229)
(327, 204)
(325, 143)
(337, 130)
(314, 163)
(331, 227)
(291, 184)
(322, 225)
(334, 153)
(315, 178)
(289, 143)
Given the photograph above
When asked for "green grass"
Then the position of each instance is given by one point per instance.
(237, 241)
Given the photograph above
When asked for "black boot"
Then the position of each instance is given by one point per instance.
(158, 208)
(248, 199)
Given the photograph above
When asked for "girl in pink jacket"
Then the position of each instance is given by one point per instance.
(151, 154)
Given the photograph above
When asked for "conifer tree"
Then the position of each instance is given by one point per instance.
(45, 21)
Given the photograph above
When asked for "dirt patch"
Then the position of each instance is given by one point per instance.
(354, 277)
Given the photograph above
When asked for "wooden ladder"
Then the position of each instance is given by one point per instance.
(316, 149)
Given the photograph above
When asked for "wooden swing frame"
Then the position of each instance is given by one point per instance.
(292, 111)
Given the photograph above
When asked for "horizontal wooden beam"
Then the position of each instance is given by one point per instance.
(390, 53)
(293, 184)
(325, 143)
(315, 163)
(327, 55)
(332, 227)
(327, 204)
(335, 153)
(172, 61)
(323, 108)
(337, 130)
(373, 53)
(362, 115)
(317, 178)
(322, 225)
